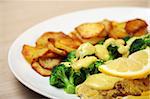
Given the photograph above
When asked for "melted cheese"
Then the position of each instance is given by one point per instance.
(85, 62)
(101, 81)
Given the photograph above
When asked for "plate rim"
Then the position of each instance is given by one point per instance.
(28, 85)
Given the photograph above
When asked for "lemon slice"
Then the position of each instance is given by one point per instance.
(137, 65)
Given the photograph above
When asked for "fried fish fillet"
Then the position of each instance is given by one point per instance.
(121, 88)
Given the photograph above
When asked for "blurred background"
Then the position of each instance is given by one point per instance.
(18, 15)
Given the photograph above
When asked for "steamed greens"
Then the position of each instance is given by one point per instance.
(66, 77)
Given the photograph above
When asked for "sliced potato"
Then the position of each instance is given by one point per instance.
(107, 24)
(50, 54)
(141, 31)
(92, 40)
(43, 40)
(118, 30)
(32, 53)
(134, 25)
(74, 35)
(75, 38)
(49, 63)
(89, 30)
(64, 47)
(44, 72)
(52, 48)
(68, 41)
(67, 44)
(103, 34)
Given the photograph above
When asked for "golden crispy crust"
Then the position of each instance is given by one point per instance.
(49, 63)
(135, 25)
(52, 48)
(43, 40)
(89, 30)
(32, 53)
(37, 67)
(118, 30)
(92, 40)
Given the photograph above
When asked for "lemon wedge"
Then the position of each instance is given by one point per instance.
(137, 65)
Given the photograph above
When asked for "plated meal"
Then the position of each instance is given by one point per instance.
(98, 60)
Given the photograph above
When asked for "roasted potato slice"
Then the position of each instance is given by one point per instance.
(32, 53)
(52, 48)
(74, 36)
(50, 54)
(118, 30)
(107, 24)
(92, 40)
(89, 30)
(67, 44)
(44, 72)
(49, 63)
(141, 31)
(63, 47)
(43, 40)
(133, 26)
(68, 41)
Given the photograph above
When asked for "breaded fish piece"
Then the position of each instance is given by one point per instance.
(121, 88)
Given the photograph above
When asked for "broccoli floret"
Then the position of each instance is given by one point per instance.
(113, 52)
(147, 40)
(101, 42)
(126, 38)
(63, 77)
(140, 44)
(93, 68)
(79, 77)
(68, 78)
(70, 57)
(137, 45)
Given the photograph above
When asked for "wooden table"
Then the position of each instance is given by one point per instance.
(17, 16)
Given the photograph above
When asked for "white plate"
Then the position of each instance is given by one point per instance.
(66, 23)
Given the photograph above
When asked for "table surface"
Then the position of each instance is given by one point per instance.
(17, 16)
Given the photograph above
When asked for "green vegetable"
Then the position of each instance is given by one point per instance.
(67, 78)
(126, 39)
(101, 42)
(93, 68)
(63, 77)
(140, 44)
(113, 52)
(147, 40)
(70, 57)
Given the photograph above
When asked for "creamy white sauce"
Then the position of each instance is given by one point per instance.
(84, 62)
(85, 49)
(101, 81)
